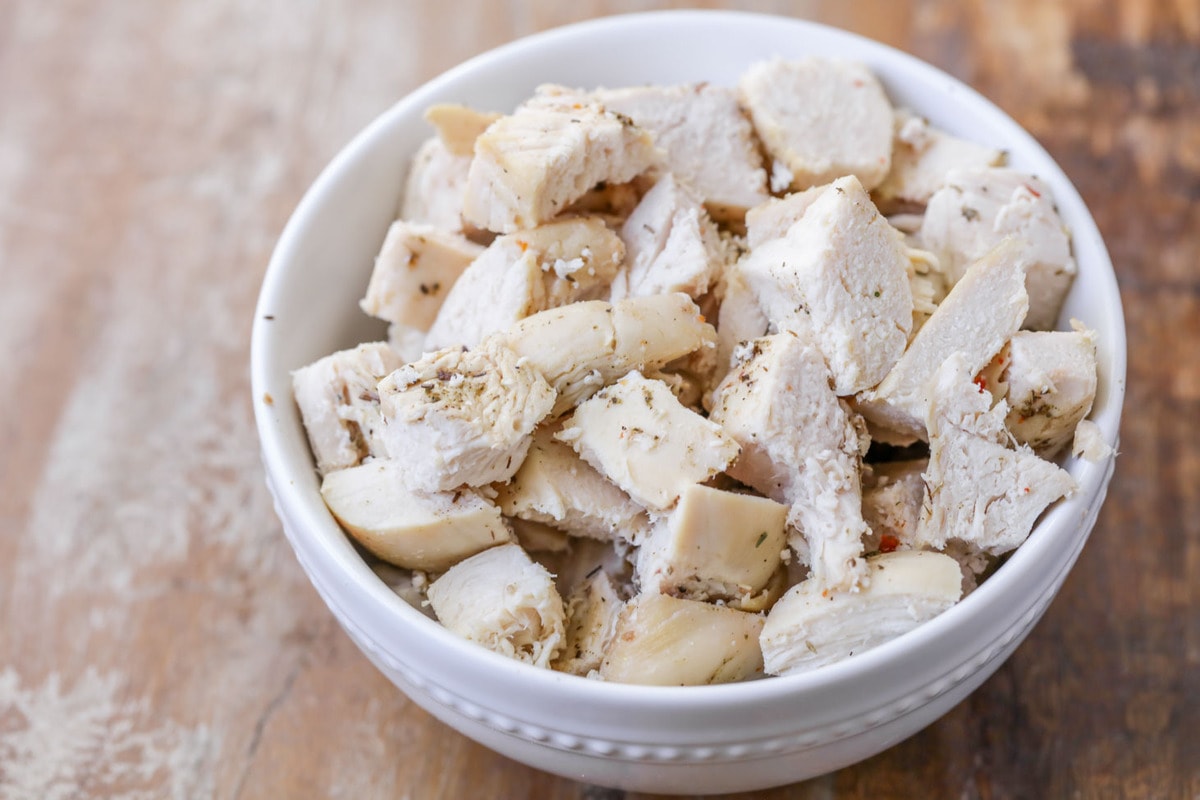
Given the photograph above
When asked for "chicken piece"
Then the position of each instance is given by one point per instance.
(922, 157)
(435, 187)
(841, 274)
(555, 486)
(821, 118)
(739, 319)
(708, 141)
(584, 346)
(416, 530)
(537, 537)
(800, 446)
(592, 611)
(893, 493)
(532, 164)
(771, 219)
(972, 563)
(1089, 443)
(668, 641)
(977, 489)
(670, 243)
(339, 404)
(459, 126)
(1050, 382)
(983, 310)
(978, 208)
(637, 434)
(811, 627)
(714, 545)
(462, 417)
(518, 275)
(416, 267)
(501, 599)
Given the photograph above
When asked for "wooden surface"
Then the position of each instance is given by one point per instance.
(158, 639)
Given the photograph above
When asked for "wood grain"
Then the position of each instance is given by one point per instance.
(157, 638)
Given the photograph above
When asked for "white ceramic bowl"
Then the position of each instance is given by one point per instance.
(662, 739)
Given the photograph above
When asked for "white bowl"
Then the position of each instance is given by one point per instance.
(660, 739)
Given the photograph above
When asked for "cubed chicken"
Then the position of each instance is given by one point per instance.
(811, 627)
(555, 486)
(582, 347)
(821, 118)
(739, 319)
(978, 208)
(714, 545)
(638, 434)
(593, 610)
(983, 310)
(339, 404)
(923, 156)
(520, 274)
(460, 417)
(414, 271)
(978, 489)
(501, 599)
(668, 641)
(771, 219)
(671, 245)
(435, 187)
(417, 530)
(799, 446)
(841, 274)
(532, 164)
(707, 139)
(459, 126)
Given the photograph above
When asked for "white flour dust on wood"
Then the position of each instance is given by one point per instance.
(59, 741)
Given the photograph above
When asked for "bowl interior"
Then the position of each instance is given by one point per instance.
(308, 305)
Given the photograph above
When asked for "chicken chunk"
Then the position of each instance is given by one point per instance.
(520, 274)
(771, 219)
(983, 310)
(799, 446)
(715, 545)
(923, 156)
(638, 435)
(810, 627)
(339, 404)
(841, 274)
(1050, 383)
(739, 319)
(582, 347)
(459, 126)
(435, 187)
(416, 530)
(414, 271)
(668, 641)
(978, 208)
(708, 141)
(462, 417)
(555, 486)
(593, 611)
(821, 118)
(978, 490)
(501, 599)
(671, 245)
(532, 164)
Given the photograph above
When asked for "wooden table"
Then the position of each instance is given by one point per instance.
(158, 639)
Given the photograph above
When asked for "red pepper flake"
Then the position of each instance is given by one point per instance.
(1033, 191)
(1025, 490)
(888, 543)
(981, 382)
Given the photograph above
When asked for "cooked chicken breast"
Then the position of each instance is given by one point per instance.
(668, 641)
(532, 164)
(458, 126)
(461, 417)
(339, 404)
(841, 274)
(555, 486)
(772, 218)
(637, 434)
(821, 118)
(414, 271)
(811, 627)
(978, 208)
(707, 139)
(417, 530)
(501, 599)
(923, 157)
(593, 611)
(435, 187)
(978, 489)
(799, 446)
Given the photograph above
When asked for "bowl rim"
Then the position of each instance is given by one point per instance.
(1054, 527)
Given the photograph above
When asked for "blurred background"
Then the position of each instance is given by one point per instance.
(158, 639)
